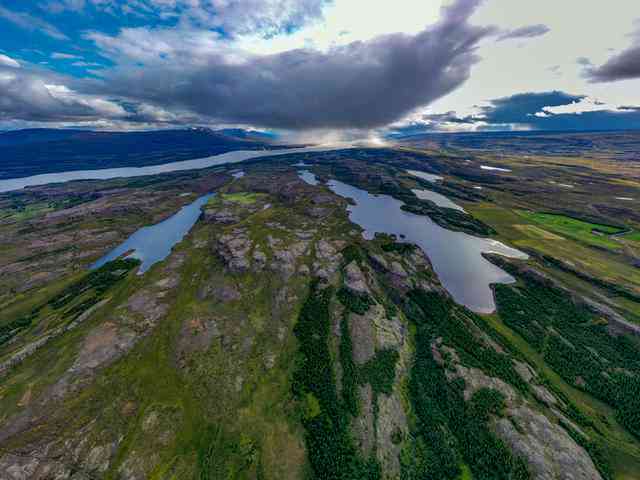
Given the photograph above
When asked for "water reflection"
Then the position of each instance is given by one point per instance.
(153, 244)
(308, 177)
(456, 256)
(439, 200)
(430, 177)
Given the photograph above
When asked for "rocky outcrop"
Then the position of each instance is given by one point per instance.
(363, 334)
(363, 424)
(328, 260)
(233, 248)
(550, 451)
(354, 279)
(391, 431)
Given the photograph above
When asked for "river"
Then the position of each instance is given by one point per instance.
(107, 173)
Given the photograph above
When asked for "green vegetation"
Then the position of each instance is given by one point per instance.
(583, 268)
(380, 371)
(244, 198)
(11, 329)
(452, 323)
(633, 236)
(355, 302)
(349, 369)
(609, 287)
(450, 431)
(595, 450)
(21, 212)
(576, 345)
(397, 247)
(331, 451)
(99, 281)
(221, 456)
(591, 233)
(353, 252)
(222, 386)
(91, 287)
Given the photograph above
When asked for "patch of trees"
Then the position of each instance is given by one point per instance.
(99, 280)
(353, 252)
(595, 450)
(576, 345)
(11, 329)
(332, 454)
(448, 218)
(380, 371)
(355, 302)
(610, 287)
(450, 431)
(451, 321)
(349, 369)
(397, 247)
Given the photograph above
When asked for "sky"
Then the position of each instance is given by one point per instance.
(321, 68)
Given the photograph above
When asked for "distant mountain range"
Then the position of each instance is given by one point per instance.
(35, 151)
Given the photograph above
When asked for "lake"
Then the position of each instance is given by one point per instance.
(456, 256)
(430, 177)
(308, 177)
(107, 173)
(435, 197)
(153, 244)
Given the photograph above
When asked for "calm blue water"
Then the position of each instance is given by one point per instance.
(430, 177)
(435, 197)
(153, 244)
(456, 257)
(106, 173)
(308, 177)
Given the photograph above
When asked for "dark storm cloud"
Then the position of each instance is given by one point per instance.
(529, 31)
(359, 85)
(528, 110)
(520, 108)
(449, 117)
(623, 66)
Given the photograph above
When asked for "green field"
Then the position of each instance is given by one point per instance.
(26, 212)
(244, 198)
(591, 233)
(632, 236)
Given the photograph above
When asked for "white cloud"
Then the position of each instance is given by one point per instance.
(235, 17)
(64, 56)
(30, 23)
(158, 45)
(8, 61)
(346, 21)
(585, 105)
